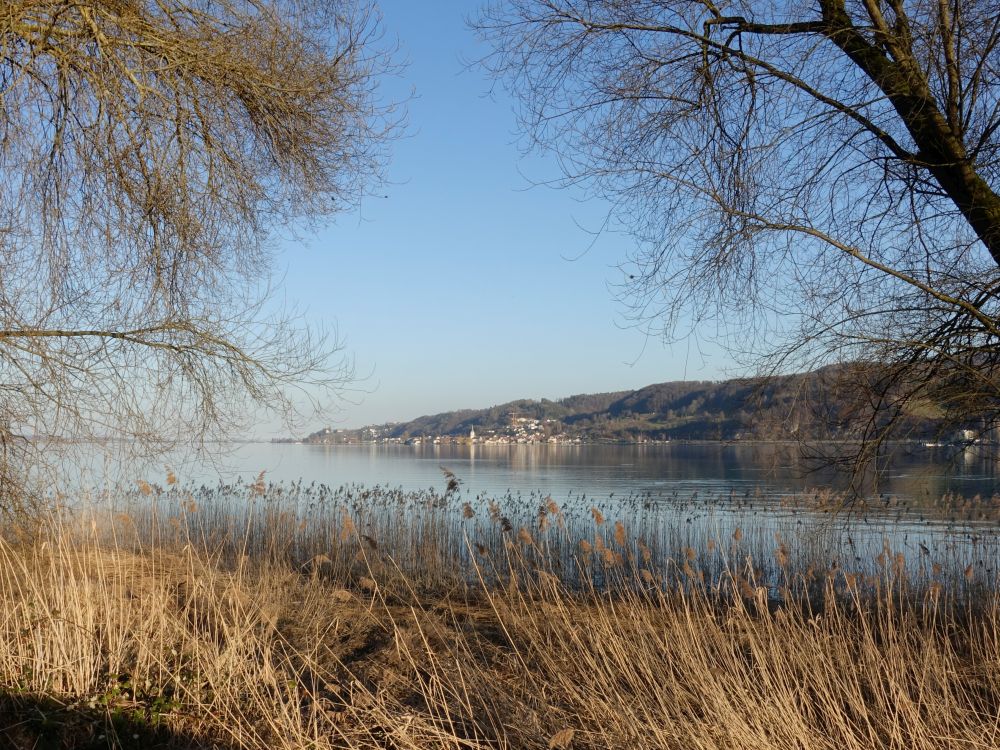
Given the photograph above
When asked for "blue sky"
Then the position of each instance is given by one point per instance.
(466, 286)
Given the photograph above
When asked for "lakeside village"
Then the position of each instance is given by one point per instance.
(519, 430)
(730, 411)
(533, 431)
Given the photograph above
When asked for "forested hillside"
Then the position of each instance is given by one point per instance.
(792, 406)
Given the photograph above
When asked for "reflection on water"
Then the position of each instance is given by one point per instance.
(435, 535)
(775, 470)
(716, 500)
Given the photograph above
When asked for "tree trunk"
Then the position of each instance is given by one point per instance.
(939, 148)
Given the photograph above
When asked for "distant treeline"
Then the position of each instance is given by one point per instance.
(786, 407)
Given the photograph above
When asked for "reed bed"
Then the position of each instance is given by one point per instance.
(436, 539)
(258, 616)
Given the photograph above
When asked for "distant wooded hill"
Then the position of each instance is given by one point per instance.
(743, 409)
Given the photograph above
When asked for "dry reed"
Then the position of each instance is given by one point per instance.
(274, 625)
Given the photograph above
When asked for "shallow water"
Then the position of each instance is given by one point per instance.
(434, 533)
(690, 492)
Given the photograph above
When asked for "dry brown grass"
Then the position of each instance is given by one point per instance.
(109, 636)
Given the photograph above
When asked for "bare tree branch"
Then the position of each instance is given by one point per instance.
(149, 151)
(818, 181)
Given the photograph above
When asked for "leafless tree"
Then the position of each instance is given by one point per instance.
(149, 151)
(816, 179)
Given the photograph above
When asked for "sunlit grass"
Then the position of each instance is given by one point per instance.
(264, 616)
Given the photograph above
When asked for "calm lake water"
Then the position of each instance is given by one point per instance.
(572, 470)
(676, 496)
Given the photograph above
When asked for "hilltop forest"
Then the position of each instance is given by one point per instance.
(804, 406)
